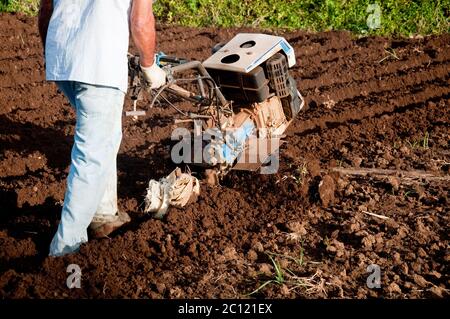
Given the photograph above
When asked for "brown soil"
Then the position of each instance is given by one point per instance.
(367, 109)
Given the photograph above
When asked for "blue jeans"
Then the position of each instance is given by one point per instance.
(92, 181)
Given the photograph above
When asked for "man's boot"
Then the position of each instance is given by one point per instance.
(102, 226)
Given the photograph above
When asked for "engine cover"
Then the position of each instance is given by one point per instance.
(246, 51)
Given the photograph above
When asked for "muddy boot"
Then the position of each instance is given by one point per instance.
(101, 227)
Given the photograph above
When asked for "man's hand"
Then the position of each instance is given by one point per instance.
(45, 13)
(143, 32)
(154, 75)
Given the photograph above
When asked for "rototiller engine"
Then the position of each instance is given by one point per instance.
(239, 103)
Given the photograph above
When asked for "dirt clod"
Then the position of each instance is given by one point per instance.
(326, 190)
(394, 182)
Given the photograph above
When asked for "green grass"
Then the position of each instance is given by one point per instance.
(288, 278)
(398, 17)
(278, 277)
(29, 7)
(421, 142)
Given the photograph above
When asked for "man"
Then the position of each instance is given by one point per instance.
(86, 45)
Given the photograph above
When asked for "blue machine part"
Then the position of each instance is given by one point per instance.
(158, 57)
(235, 142)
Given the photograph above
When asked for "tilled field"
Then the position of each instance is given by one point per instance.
(336, 206)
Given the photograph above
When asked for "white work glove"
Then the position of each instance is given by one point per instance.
(177, 189)
(154, 75)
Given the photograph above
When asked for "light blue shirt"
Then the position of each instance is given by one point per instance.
(87, 41)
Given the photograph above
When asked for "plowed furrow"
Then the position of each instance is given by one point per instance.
(393, 82)
(370, 109)
(368, 72)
